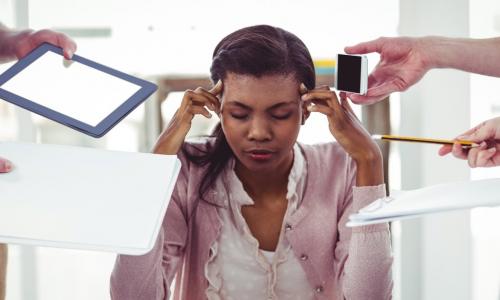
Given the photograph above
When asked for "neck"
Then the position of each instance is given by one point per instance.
(260, 185)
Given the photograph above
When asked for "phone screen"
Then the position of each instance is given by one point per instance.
(349, 73)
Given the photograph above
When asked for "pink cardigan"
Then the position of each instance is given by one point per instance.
(340, 262)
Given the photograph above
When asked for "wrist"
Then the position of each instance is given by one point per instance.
(370, 171)
(430, 49)
(440, 52)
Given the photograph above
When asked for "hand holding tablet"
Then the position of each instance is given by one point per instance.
(82, 94)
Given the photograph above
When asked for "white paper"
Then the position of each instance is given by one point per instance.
(71, 88)
(432, 199)
(84, 198)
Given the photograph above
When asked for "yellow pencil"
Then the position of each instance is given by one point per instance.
(466, 144)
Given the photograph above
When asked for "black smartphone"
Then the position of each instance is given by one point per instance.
(351, 73)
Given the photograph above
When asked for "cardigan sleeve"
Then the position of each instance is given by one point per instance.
(363, 255)
(149, 276)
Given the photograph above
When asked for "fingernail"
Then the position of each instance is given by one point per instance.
(70, 54)
(303, 87)
(493, 149)
(311, 108)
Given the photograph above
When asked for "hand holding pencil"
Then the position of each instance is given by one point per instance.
(487, 136)
(480, 146)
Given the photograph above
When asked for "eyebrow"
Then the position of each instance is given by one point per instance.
(277, 105)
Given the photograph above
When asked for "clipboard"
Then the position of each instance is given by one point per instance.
(83, 198)
(79, 93)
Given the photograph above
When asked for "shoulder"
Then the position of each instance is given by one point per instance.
(194, 148)
(328, 158)
(324, 151)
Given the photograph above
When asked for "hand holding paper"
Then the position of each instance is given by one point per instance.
(432, 199)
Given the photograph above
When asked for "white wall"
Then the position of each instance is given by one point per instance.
(436, 250)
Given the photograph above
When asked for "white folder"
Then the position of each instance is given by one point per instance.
(83, 198)
(432, 199)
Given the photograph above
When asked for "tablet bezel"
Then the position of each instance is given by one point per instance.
(146, 89)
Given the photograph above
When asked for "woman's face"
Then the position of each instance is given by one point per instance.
(261, 118)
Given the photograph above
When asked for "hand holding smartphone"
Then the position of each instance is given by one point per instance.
(351, 73)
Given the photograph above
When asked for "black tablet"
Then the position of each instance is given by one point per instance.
(80, 93)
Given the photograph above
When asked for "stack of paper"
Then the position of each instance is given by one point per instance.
(83, 198)
(437, 198)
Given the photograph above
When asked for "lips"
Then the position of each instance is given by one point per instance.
(260, 154)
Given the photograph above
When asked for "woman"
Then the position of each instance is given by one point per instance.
(255, 215)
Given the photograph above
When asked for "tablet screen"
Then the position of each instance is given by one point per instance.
(71, 88)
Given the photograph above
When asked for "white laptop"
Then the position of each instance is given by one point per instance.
(83, 198)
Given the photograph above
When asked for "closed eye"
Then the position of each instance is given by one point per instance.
(282, 116)
(239, 116)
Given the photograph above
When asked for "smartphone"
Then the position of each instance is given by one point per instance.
(351, 73)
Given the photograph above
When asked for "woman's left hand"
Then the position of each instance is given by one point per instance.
(347, 130)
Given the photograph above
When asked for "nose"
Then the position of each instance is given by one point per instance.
(259, 130)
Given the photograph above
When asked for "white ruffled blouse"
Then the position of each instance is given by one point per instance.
(237, 268)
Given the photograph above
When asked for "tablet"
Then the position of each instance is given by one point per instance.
(79, 93)
(84, 198)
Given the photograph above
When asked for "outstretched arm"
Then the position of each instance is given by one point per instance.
(404, 61)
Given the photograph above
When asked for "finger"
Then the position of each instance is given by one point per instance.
(196, 99)
(5, 165)
(483, 133)
(200, 110)
(458, 151)
(444, 150)
(328, 111)
(386, 88)
(302, 89)
(217, 88)
(67, 44)
(365, 47)
(214, 101)
(484, 157)
(47, 36)
(472, 157)
(321, 96)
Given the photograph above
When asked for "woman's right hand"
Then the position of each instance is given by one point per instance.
(196, 102)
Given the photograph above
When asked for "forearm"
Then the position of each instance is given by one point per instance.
(367, 270)
(171, 140)
(140, 277)
(481, 56)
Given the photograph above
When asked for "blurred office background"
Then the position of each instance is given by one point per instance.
(444, 256)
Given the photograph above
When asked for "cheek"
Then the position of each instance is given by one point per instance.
(232, 130)
(287, 131)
